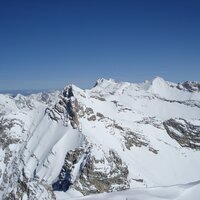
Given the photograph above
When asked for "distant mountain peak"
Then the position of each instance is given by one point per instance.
(158, 79)
(101, 81)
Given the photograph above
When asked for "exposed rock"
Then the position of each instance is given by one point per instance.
(190, 86)
(98, 98)
(153, 150)
(185, 133)
(100, 115)
(138, 180)
(72, 109)
(132, 139)
(187, 103)
(29, 148)
(89, 111)
(5, 138)
(65, 176)
(115, 102)
(81, 111)
(152, 121)
(124, 109)
(118, 127)
(95, 179)
(67, 109)
(74, 158)
(91, 118)
(32, 191)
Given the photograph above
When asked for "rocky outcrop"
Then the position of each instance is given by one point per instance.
(132, 139)
(65, 178)
(31, 190)
(66, 109)
(5, 138)
(185, 133)
(98, 97)
(103, 175)
(190, 86)
(90, 114)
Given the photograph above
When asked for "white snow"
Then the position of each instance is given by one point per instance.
(139, 108)
(190, 191)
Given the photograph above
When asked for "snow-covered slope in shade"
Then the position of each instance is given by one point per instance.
(115, 136)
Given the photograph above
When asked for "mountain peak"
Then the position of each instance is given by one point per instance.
(157, 85)
(101, 81)
(158, 80)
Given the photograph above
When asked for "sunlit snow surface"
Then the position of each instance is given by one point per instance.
(141, 108)
(189, 191)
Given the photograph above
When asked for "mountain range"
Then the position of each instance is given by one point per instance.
(131, 140)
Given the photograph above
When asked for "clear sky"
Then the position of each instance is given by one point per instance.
(51, 43)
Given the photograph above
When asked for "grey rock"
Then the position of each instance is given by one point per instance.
(185, 133)
(93, 180)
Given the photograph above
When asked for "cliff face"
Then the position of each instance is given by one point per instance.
(112, 137)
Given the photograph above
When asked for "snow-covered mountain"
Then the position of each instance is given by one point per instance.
(115, 136)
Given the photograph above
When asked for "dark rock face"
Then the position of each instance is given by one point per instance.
(89, 111)
(95, 179)
(72, 109)
(65, 176)
(90, 114)
(190, 86)
(185, 133)
(98, 97)
(100, 115)
(133, 139)
(92, 118)
(67, 109)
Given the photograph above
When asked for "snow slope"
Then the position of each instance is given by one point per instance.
(177, 192)
(115, 136)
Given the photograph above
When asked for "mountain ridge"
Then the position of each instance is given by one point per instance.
(92, 141)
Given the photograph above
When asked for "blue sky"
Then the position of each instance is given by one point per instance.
(48, 43)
